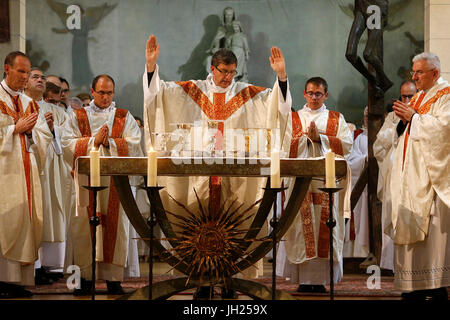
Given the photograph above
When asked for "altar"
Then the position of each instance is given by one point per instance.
(303, 170)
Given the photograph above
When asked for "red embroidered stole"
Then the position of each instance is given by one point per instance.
(16, 114)
(332, 130)
(218, 110)
(313, 198)
(109, 220)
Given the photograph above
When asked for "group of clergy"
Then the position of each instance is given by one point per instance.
(45, 218)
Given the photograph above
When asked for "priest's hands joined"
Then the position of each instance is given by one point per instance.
(49, 118)
(26, 124)
(278, 64)
(313, 132)
(102, 136)
(151, 53)
(403, 111)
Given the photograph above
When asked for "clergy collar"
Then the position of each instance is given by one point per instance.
(94, 109)
(438, 82)
(308, 109)
(9, 90)
(38, 102)
(215, 88)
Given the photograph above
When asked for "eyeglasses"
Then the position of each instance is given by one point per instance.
(103, 93)
(227, 73)
(419, 72)
(318, 95)
(407, 96)
(37, 77)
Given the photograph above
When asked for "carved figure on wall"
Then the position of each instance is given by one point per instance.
(238, 43)
(395, 10)
(231, 29)
(224, 31)
(371, 55)
(90, 19)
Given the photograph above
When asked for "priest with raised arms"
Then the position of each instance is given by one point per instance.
(232, 105)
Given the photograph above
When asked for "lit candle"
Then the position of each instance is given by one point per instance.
(95, 167)
(330, 177)
(152, 168)
(275, 181)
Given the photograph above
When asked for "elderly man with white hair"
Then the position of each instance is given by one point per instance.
(420, 186)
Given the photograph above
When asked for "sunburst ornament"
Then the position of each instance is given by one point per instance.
(211, 244)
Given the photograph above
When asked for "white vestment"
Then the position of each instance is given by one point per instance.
(420, 190)
(21, 206)
(303, 256)
(238, 107)
(57, 189)
(112, 256)
(357, 240)
(383, 150)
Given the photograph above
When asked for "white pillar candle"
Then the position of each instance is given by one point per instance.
(330, 176)
(152, 168)
(95, 167)
(275, 181)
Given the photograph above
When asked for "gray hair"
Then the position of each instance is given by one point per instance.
(431, 58)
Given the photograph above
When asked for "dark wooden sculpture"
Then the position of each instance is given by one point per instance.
(379, 83)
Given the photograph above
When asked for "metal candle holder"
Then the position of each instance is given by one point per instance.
(331, 223)
(274, 224)
(94, 221)
(151, 221)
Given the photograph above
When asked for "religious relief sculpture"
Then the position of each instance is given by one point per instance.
(237, 43)
(371, 55)
(90, 19)
(230, 36)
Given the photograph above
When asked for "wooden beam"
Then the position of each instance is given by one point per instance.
(137, 166)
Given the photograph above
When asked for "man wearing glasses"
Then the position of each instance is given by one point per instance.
(420, 188)
(311, 132)
(65, 92)
(383, 149)
(55, 181)
(114, 132)
(233, 105)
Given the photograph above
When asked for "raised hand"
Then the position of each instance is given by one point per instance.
(26, 124)
(151, 53)
(49, 118)
(277, 63)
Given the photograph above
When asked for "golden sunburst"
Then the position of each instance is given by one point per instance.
(211, 244)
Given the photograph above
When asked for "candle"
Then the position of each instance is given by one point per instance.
(152, 168)
(95, 167)
(275, 181)
(330, 177)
